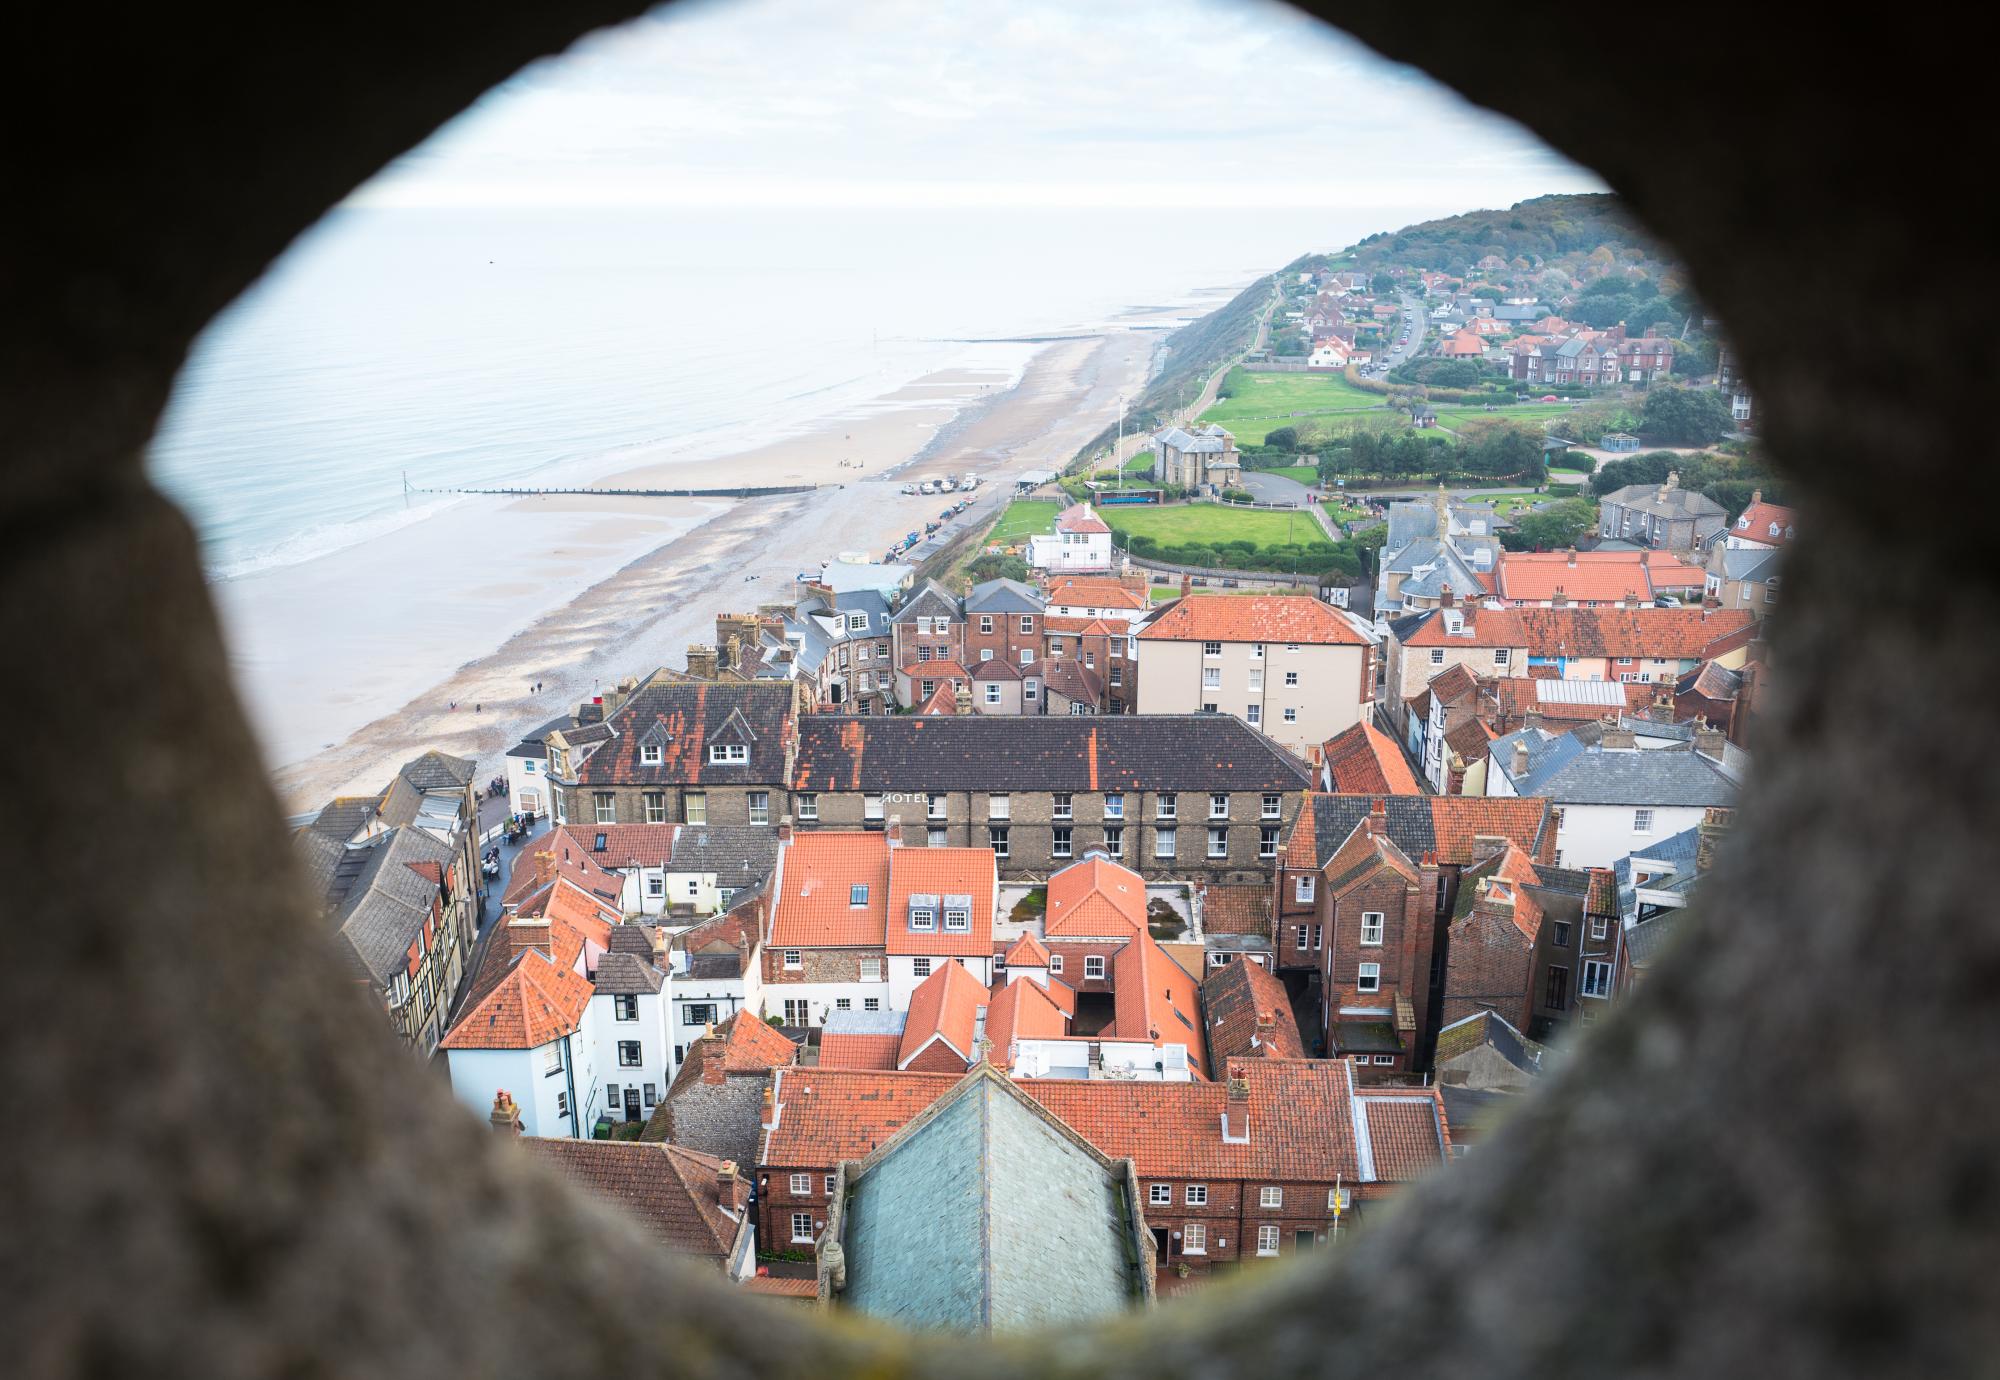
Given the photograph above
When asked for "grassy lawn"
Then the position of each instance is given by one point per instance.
(1456, 417)
(1142, 463)
(1207, 524)
(1304, 474)
(1024, 518)
(1263, 402)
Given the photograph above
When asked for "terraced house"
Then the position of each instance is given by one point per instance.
(1194, 796)
(1259, 1164)
(676, 751)
(1363, 899)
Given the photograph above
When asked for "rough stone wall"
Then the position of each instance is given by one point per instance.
(283, 1191)
(719, 1119)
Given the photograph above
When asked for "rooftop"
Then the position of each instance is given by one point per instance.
(1251, 618)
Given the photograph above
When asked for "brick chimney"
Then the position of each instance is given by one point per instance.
(525, 933)
(1756, 495)
(1378, 817)
(701, 661)
(1714, 824)
(1187, 585)
(1446, 598)
(506, 1116)
(1559, 600)
(732, 1190)
(1709, 741)
(1618, 740)
(961, 698)
(1520, 757)
(893, 831)
(1572, 558)
(784, 830)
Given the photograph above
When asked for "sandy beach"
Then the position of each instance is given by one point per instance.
(701, 558)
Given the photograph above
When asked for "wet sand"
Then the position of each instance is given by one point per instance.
(646, 614)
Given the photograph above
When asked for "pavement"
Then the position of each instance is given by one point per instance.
(1266, 487)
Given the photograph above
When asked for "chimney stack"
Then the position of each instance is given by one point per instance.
(701, 661)
(1378, 815)
(961, 697)
(893, 831)
(1520, 757)
(1618, 739)
(530, 932)
(1714, 824)
(1572, 557)
(784, 830)
(1559, 600)
(1446, 598)
(1756, 495)
(1239, 1086)
(1709, 741)
(732, 1191)
(1187, 585)
(506, 1116)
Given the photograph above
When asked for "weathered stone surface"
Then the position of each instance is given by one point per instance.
(1777, 1161)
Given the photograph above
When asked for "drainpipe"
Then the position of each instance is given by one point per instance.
(569, 1078)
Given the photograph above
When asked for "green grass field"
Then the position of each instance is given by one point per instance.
(1142, 463)
(1303, 474)
(1024, 518)
(1456, 417)
(1264, 402)
(1209, 524)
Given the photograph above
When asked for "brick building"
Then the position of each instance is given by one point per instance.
(1528, 940)
(716, 1102)
(1248, 1167)
(1198, 796)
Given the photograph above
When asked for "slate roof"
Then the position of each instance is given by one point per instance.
(1751, 562)
(1003, 596)
(380, 894)
(534, 743)
(345, 816)
(1120, 752)
(1679, 849)
(1449, 826)
(1264, 618)
(987, 1214)
(669, 1192)
(928, 600)
(1232, 999)
(437, 771)
(684, 718)
(1484, 1028)
(1209, 440)
(1658, 500)
(627, 975)
(739, 855)
(1644, 943)
(1583, 774)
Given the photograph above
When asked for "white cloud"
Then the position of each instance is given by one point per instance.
(899, 102)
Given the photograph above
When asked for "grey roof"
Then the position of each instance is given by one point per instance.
(865, 1022)
(929, 600)
(844, 578)
(435, 771)
(1004, 596)
(1407, 522)
(378, 901)
(1648, 941)
(342, 819)
(1751, 562)
(740, 855)
(534, 743)
(1237, 943)
(869, 603)
(1657, 500)
(1208, 440)
(985, 1213)
(1533, 311)
(1678, 849)
(1590, 774)
(627, 975)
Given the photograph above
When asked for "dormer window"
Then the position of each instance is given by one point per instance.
(728, 752)
(857, 622)
(958, 914)
(923, 919)
(650, 753)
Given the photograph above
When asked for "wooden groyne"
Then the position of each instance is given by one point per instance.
(746, 491)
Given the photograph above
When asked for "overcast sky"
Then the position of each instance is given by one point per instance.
(948, 102)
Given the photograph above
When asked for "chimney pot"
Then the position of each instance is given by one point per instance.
(893, 831)
(506, 1116)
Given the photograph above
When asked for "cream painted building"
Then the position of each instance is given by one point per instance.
(1288, 665)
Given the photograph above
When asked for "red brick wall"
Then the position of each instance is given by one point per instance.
(1490, 967)
(1404, 953)
(937, 1057)
(1005, 641)
(1074, 951)
(821, 965)
(776, 1202)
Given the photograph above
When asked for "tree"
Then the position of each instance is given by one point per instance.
(1490, 294)
(1497, 448)
(997, 567)
(1600, 311)
(1554, 528)
(1685, 417)
(1381, 285)
(1284, 438)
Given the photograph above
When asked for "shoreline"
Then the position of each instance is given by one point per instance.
(644, 613)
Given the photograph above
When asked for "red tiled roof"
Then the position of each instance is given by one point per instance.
(1095, 899)
(777, 1286)
(1670, 572)
(1081, 627)
(946, 1004)
(1155, 999)
(1252, 618)
(1666, 633)
(1078, 517)
(668, 1190)
(1023, 1010)
(839, 1049)
(817, 873)
(1302, 848)
(1586, 576)
(1403, 1134)
(534, 1003)
(1235, 999)
(1460, 821)
(1027, 952)
(1299, 1114)
(1365, 759)
(1236, 909)
(941, 872)
(742, 1044)
(943, 700)
(1754, 524)
(1095, 594)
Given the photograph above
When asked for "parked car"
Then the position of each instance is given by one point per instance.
(909, 488)
(928, 488)
(971, 481)
(947, 484)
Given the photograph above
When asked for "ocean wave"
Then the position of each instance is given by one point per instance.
(324, 540)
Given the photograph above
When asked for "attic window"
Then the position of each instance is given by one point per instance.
(923, 919)
(857, 895)
(650, 752)
(728, 752)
